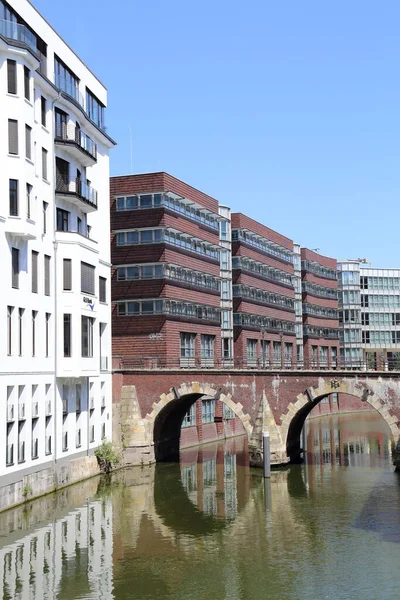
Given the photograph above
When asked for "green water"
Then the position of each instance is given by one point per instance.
(212, 528)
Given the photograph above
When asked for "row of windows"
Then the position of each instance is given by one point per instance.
(379, 319)
(253, 266)
(318, 290)
(17, 329)
(16, 268)
(160, 270)
(14, 199)
(263, 296)
(157, 236)
(380, 283)
(12, 80)
(380, 301)
(13, 144)
(380, 337)
(348, 277)
(262, 244)
(320, 332)
(63, 223)
(207, 413)
(168, 307)
(188, 348)
(265, 349)
(87, 280)
(349, 316)
(320, 311)
(317, 269)
(257, 321)
(350, 336)
(191, 211)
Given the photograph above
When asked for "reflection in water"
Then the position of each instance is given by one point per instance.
(213, 528)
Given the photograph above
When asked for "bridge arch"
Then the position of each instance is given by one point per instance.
(293, 420)
(165, 420)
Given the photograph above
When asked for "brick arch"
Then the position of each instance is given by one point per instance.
(306, 401)
(196, 390)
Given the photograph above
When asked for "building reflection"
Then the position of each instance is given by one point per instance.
(69, 556)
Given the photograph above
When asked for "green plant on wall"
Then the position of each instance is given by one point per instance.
(27, 491)
(107, 456)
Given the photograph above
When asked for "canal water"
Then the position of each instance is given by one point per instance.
(211, 528)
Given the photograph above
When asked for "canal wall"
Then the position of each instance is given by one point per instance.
(26, 484)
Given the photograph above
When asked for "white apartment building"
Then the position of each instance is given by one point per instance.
(55, 314)
(369, 303)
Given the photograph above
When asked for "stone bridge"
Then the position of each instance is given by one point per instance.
(149, 406)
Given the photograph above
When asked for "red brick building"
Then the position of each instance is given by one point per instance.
(320, 309)
(166, 272)
(263, 295)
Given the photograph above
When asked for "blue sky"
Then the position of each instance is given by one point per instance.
(287, 111)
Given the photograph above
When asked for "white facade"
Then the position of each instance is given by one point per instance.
(55, 353)
(369, 302)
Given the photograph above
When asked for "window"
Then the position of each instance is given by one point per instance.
(10, 310)
(44, 163)
(67, 274)
(12, 136)
(62, 219)
(78, 398)
(45, 207)
(34, 315)
(47, 334)
(35, 256)
(67, 335)
(94, 109)
(365, 337)
(102, 289)
(47, 275)
(28, 200)
(20, 329)
(15, 267)
(224, 230)
(43, 109)
(224, 260)
(87, 337)
(187, 345)
(11, 76)
(61, 119)
(208, 411)
(79, 225)
(190, 417)
(28, 142)
(92, 438)
(66, 80)
(27, 90)
(207, 346)
(228, 412)
(87, 278)
(251, 350)
(13, 197)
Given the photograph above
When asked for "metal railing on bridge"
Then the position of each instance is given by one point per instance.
(162, 363)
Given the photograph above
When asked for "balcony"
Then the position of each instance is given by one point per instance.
(22, 228)
(18, 35)
(77, 143)
(70, 89)
(35, 410)
(35, 448)
(10, 413)
(21, 412)
(77, 192)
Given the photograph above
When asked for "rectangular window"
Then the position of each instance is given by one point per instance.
(34, 315)
(47, 333)
(187, 345)
(94, 109)
(35, 256)
(67, 274)
(66, 80)
(207, 346)
(15, 268)
(190, 417)
(44, 163)
(28, 200)
(87, 278)
(102, 289)
(208, 411)
(43, 109)
(67, 335)
(87, 337)
(20, 330)
(27, 77)
(10, 310)
(62, 220)
(251, 351)
(47, 275)
(12, 136)
(11, 76)
(13, 197)
(28, 142)
(45, 206)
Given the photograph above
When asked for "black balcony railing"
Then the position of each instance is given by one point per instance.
(70, 134)
(77, 187)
